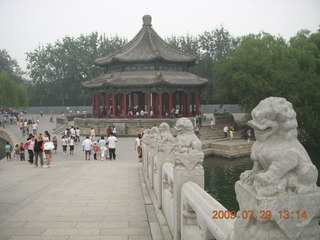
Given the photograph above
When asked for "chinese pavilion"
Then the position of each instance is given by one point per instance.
(146, 74)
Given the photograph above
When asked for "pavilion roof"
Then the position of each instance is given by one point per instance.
(146, 46)
(145, 79)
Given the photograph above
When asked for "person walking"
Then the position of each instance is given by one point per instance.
(86, 147)
(77, 134)
(92, 134)
(71, 145)
(225, 130)
(8, 151)
(112, 146)
(138, 146)
(48, 147)
(55, 144)
(38, 150)
(16, 152)
(21, 152)
(30, 144)
(102, 145)
(64, 142)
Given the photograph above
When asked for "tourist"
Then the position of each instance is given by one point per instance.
(102, 146)
(225, 131)
(86, 147)
(21, 152)
(64, 142)
(94, 150)
(231, 132)
(213, 122)
(48, 147)
(248, 133)
(141, 131)
(8, 151)
(30, 144)
(173, 112)
(112, 146)
(109, 130)
(197, 129)
(55, 144)
(176, 113)
(71, 145)
(34, 128)
(16, 154)
(151, 113)
(114, 131)
(72, 132)
(92, 134)
(38, 152)
(138, 146)
(77, 134)
(51, 117)
(41, 113)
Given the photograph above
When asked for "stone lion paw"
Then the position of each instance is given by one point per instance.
(265, 179)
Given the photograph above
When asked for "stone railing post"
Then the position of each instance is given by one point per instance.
(278, 198)
(187, 167)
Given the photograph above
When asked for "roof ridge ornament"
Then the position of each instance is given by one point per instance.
(147, 20)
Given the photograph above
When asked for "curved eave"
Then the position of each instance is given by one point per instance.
(145, 78)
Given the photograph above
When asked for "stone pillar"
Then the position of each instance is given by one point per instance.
(124, 104)
(114, 105)
(188, 167)
(170, 95)
(149, 103)
(188, 104)
(107, 105)
(197, 103)
(160, 105)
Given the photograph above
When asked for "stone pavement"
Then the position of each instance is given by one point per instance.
(74, 199)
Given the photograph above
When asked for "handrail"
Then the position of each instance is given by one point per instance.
(203, 205)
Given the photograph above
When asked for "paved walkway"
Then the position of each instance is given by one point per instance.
(74, 199)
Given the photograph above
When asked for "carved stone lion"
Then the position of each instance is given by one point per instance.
(281, 164)
(187, 141)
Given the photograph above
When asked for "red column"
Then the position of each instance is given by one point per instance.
(197, 103)
(149, 103)
(192, 100)
(160, 105)
(188, 104)
(98, 105)
(132, 100)
(170, 104)
(114, 105)
(93, 105)
(107, 104)
(124, 104)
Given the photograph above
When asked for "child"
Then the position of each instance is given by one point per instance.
(21, 152)
(94, 148)
(64, 144)
(71, 145)
(16, 152)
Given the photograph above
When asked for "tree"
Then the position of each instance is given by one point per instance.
(57, 70)
(264, 65)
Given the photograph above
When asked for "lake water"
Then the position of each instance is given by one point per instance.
(221, 174)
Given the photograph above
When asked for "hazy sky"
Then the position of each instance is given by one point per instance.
(24, 24)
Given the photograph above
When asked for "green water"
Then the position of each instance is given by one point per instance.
(221, 174)
(2, 150)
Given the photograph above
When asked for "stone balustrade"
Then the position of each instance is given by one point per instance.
(279, 196)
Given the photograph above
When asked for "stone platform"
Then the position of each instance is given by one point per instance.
(125, 127)
(228, 149)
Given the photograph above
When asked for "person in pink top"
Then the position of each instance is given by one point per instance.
(30, 143)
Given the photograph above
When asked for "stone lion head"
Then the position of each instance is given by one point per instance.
(184, 125)
(164, 127)
(274, 116)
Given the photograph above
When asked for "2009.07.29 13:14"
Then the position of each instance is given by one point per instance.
(248, 214)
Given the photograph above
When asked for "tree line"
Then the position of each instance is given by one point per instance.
(240, 70)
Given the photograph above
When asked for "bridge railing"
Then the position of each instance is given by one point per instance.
(198, 219)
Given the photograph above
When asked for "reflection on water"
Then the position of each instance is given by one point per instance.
(221, 174)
